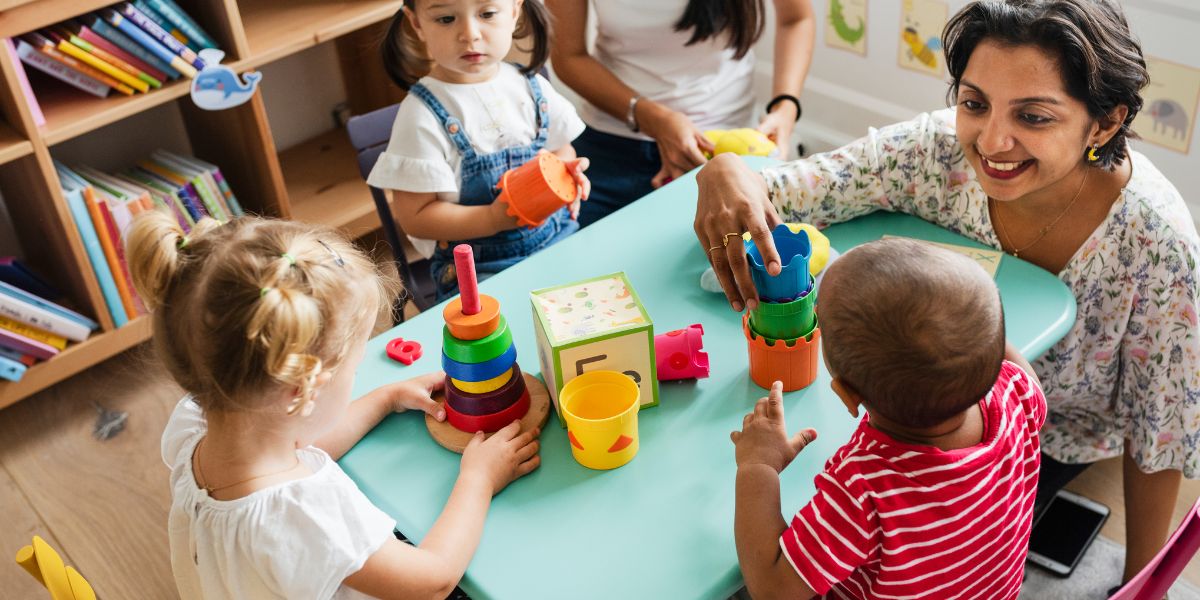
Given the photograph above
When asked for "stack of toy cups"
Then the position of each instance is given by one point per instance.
(485, 389)
(782, 332)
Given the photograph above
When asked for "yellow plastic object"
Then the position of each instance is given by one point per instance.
(601, 410)
(744, 142)
(483, 387)
(46, 566)
(820, 246)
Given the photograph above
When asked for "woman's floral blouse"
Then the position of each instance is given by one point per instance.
(1129, 369)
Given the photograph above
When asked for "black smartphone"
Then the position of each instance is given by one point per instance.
(1063, 532)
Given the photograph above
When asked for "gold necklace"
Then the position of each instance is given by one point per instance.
(1016, 252)
(204, 481)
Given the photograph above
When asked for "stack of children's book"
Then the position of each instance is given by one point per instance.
(103, 206)
(129, 47)
(33, 328)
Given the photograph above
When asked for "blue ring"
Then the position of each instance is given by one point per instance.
(480, 371)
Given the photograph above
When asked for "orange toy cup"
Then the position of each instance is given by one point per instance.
(775, 360)
(536, 189)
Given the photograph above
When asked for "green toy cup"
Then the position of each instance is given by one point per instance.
(786, 320)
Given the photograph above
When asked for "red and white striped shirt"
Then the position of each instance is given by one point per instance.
(895, 520)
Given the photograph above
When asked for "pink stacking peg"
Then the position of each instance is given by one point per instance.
(468, 285)
(680, 354)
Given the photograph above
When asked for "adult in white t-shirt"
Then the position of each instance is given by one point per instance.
(664, 71)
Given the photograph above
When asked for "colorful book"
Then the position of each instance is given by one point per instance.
(33, 333)
(215, 172)
(173, 197)
(24, 345)
(109, 58)
(160, 35)
(185, 186)
(95, 62)
(102, 220)
(126, 43)
(95, 252)
(57, 318)
(10, 369)
(140, 36)
(20, 311)
(180, 19)
(166, 25)
(210, 194)
(98, 41)
(59, 70)
(14, 272)
(35, 109)
(50, 48)
(161, 199)
(26, 359)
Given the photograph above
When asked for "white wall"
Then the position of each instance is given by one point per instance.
(846, 93)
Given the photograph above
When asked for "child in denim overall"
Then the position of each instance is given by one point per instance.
(463, 125)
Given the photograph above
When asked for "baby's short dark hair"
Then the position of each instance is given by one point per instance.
(915, 329)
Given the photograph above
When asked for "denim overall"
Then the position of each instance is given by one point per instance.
(477, 186)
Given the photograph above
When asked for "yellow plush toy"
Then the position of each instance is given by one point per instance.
(744, 142)
(820, 246)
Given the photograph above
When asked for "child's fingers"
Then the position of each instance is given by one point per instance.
(734, 436)
(432, 381)
(760, 408)
(580, 164)
(527, 451)
(775, 401)
(803, 438)
(430, 407)
(476, 440)
(508, 432)
(528, 466)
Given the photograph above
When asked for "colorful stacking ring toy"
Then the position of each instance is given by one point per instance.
(480, 350)
(479, 371)
(476, 325)
(483, 387)
(486, 403)
(488, 423)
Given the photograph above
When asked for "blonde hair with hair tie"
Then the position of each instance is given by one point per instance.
(252, 306)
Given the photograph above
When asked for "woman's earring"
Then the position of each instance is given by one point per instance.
(1091, 153)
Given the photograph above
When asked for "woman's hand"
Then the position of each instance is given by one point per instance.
(733, 199)
(583, 185)
(417, 394)
(680, 145)
(502, 458)
(778, 125)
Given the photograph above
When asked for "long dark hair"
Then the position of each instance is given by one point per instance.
(744, 20)
(404, 56)
(1101, 62)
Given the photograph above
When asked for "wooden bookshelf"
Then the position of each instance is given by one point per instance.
(74, 359)
(317, 181)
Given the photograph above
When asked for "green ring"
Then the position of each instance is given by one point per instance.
(785, 320)
(789, 342)
(477, 351)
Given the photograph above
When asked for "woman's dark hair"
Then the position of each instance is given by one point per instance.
(743, 19)
(1101, 62)
(405, 60)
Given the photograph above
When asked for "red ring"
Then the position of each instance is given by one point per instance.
(488, 423)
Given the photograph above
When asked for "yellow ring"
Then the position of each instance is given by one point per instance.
(483, 387)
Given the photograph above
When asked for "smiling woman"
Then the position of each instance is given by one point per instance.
(1033, 160)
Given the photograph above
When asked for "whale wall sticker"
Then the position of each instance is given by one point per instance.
(217, 87)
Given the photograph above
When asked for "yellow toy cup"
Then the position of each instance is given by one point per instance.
(601, 409)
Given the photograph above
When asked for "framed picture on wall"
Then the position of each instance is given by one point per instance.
(920, 45)
(846, 27)
(1168, 117)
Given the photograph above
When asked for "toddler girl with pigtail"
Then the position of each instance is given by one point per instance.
(469, 117)
(263, 323)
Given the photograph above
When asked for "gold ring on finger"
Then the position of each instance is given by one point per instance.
(725, 239)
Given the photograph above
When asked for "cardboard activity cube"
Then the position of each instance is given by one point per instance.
(594, 324)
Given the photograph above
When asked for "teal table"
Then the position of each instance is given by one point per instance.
(662, 525)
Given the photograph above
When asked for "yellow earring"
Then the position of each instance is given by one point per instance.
(1091, 154)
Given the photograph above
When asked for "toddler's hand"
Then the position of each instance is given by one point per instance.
(500, 218)
(583, 185)
(416, 394)
(502, 458)
(764, 439)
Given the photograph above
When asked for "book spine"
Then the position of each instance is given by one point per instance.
(91, 244)
(24, 359)
(33, 333)
(112, 34)
(171, 12)
(10, 369)
(110, 251)
(92, 61)
(160, 35)
(26, 313)
(234, 205)
(25, 345)
(35, 109)
(115, 61)
(70, 315)
(50, 50)
(36, 59)
(98, 41)
(114, 232)
(136, 33)
(166, 25)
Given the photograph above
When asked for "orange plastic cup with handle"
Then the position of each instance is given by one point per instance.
(536, 189)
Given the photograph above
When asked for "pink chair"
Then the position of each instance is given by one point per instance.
(1154, 580)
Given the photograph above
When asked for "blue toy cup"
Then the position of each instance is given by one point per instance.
(794, 251)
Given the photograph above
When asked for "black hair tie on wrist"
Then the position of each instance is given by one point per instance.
(781, 98)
